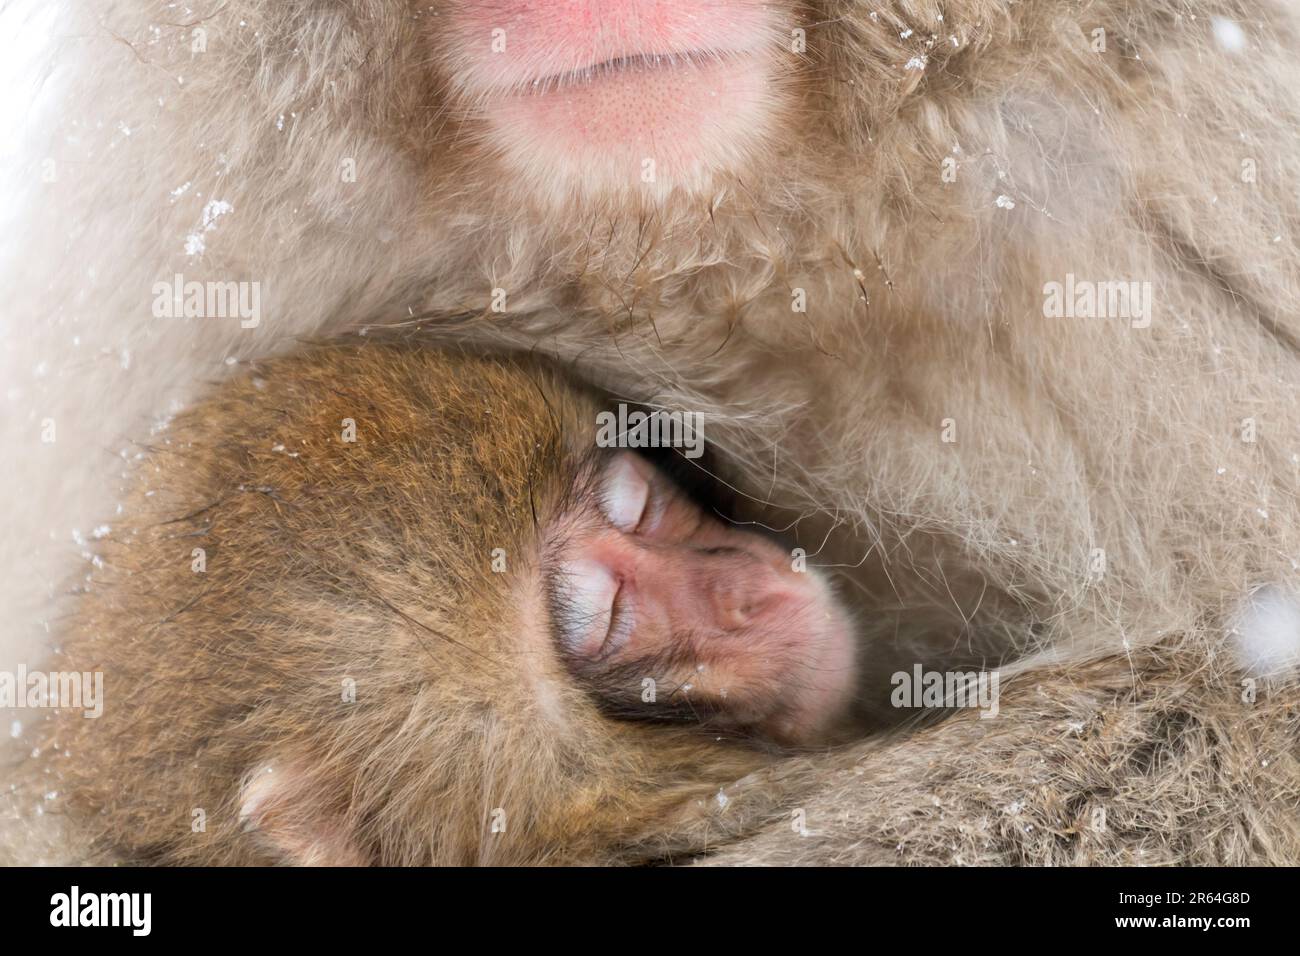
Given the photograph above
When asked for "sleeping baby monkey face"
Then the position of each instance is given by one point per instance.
(665, 611)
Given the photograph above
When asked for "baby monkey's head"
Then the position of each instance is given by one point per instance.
(394, 605)
(666, 611)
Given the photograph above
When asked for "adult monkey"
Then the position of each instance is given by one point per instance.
(916, 181)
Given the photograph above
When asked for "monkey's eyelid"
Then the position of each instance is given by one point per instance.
(624, 493)
(622, 619)
(583, 595)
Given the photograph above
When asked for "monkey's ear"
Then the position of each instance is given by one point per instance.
(293, 815)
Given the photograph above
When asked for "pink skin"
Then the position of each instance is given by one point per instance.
(651, 572)
(584, 92)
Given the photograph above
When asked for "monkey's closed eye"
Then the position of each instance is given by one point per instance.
(624, 492)
(622, 618)
(592, 612)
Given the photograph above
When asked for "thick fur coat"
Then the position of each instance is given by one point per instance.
(1095, 498)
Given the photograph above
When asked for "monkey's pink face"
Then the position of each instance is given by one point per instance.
(618, 94)
(666, 612)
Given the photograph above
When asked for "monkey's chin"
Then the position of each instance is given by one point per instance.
(646, 126)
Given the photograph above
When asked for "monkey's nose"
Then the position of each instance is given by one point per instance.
(746, 594)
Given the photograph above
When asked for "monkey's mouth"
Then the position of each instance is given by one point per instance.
(620, 67)
(641, 96)
(644, 123)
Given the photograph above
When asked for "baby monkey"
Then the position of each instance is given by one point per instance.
(649, 592)
(378, 604)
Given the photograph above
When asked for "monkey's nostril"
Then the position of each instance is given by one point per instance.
(731, 616)
(719, 551)
(737, 603)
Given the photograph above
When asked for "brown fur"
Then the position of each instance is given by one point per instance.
(369, 561)
(925, 297)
